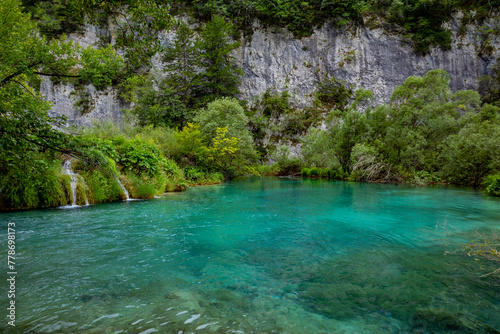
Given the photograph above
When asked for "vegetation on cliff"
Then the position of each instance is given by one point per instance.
(420, 22)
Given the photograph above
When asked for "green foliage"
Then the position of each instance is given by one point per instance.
(324, 173)
(143, 186)
(220, 76)
(489, 86)
(422, 114)
(472, 154)
(25, 124)
(319, 150)
(181, 60)
(345, 130)
(427, 132)
(176, 180)
(140, 157)
(31, 184)
(492, 185)
(423, 177)
(139, 23)
(25, 57)
(275, 113)
(197, 71)
(163, 138)
(274, 103)
(333, 93)
(192, 144)
(367, 165)
(81, 193)
(285, 163)
(156, 101)
(196, 176)
(66, 186)
(420, 22)
(101, 187)
(224, 151)
(55, 17)
(226, 113)
(101, 67)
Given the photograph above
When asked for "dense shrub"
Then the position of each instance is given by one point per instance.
(427, 134)
(144, 186)
(140, 157)
(101, 187)
(35, 183)
(472, 154)
(492, 185)
(196, 176)
(333, 93)
(285, 163)
(226, 112)
(324, 173)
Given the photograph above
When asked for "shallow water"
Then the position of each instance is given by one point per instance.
(259, 256)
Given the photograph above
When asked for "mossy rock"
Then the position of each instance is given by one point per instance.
(81, 193)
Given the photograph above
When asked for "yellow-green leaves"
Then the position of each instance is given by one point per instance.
(224, 149)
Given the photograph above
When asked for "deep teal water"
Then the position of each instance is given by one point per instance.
(259, 256)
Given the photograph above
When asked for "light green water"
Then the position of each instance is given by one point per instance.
(259, 256)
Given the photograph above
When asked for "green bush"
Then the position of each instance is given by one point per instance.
(274, 104)
(140, 157)
(472, 154)
(313, 172)
(102, 187)
(176, 181)
(423, 178)
(36, 182)
(333, 93)
(144, 186)
(162, 137)
(195, 176)
(492, 185)
(226, 112)
(285, 163)
(324, 173)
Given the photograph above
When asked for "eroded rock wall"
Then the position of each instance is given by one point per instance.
(371, 59)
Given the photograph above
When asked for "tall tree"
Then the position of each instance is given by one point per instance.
(180, 65)
(220, 76)
(156, 102)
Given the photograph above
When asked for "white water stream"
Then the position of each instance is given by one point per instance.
(123, 189)
(66, 169)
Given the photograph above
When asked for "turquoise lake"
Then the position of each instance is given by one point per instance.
(259, 256)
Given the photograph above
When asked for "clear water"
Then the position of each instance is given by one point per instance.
(259, 256)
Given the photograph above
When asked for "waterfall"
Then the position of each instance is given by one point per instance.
(123, 189)
(74, 181)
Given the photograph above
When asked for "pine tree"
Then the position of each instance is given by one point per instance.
(220, 76)
(181, 59)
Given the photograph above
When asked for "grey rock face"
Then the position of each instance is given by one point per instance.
(103, 105)
(370, 59)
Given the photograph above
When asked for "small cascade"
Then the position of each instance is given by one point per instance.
(123, 189)
(66, 169)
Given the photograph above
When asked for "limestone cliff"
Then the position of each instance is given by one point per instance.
(367, 58)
